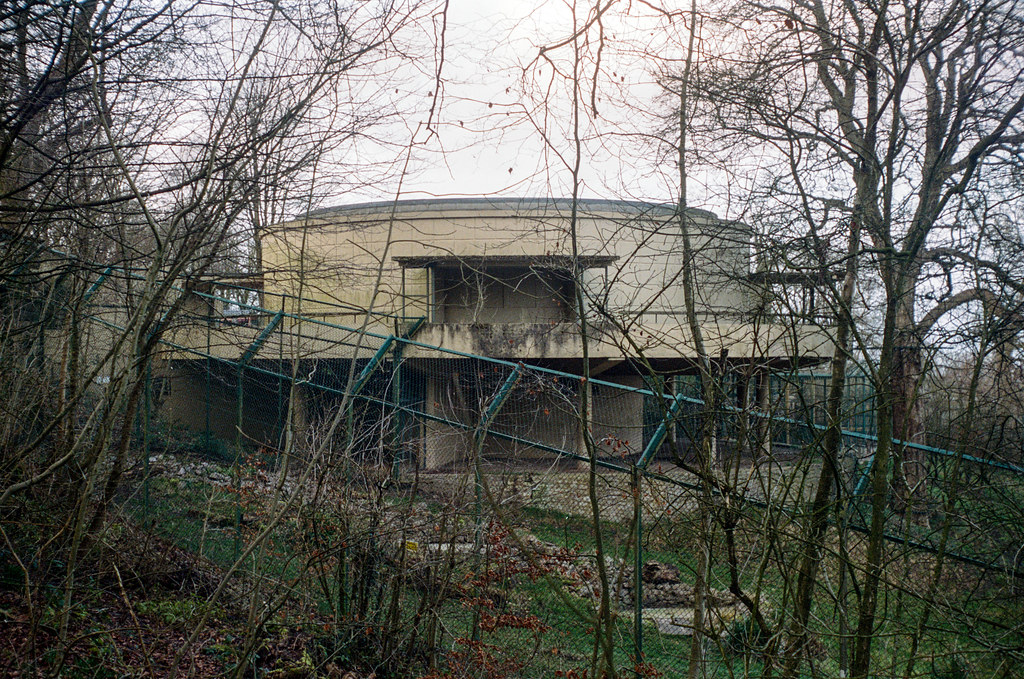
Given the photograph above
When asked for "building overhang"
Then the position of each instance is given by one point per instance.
(562, 262)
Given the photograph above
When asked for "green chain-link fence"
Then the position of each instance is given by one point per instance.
(457, 514)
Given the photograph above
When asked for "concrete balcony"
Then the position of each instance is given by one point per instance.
(510, 341)
(665, 342)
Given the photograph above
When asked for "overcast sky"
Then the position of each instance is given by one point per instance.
(500, 102)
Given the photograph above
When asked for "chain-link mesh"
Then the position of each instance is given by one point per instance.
(455, 513)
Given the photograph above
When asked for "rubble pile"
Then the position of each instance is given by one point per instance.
(664, 588)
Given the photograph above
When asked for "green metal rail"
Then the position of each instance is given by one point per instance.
(638, 467)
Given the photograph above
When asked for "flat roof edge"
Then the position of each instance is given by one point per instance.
(559, 206)
(538, 261)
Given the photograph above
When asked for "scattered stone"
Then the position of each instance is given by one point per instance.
(657, 573)
(539, 546)
(663, 588)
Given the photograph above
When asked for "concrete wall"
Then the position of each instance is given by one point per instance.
(471, 268)
(333, 256)
(540, 408)
(191, 398)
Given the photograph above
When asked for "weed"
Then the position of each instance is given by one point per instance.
(176, 612)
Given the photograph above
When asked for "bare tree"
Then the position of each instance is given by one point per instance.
(891, 115)
(138, 149)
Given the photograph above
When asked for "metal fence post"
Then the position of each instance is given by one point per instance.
(638, 563)
(236, 471)
(281, 424)
(396, 393)
(146, 419)
(398, 428)
(209, 370)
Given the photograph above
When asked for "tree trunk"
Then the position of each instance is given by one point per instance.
(817, 524)
(909, 475)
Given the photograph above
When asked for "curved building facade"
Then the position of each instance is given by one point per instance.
(467, 281)
(503, 278)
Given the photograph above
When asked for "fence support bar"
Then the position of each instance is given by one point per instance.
(638, 567)
(499, 400)
(659, 433)
(28, 260)
(96, 286)
(368, 369)
(413, 327)
(250, 353)
(485, 422)
(865, 475)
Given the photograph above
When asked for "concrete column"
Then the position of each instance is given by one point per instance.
(443, 445)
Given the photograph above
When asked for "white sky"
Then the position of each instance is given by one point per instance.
(488, 142)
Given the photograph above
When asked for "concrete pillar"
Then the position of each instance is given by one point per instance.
(443, 445)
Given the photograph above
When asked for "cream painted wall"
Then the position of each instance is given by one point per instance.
(334, 256)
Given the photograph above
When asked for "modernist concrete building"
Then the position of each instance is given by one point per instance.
(499, 277)
(503, 278)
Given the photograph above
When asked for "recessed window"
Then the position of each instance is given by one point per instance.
(503, 294)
